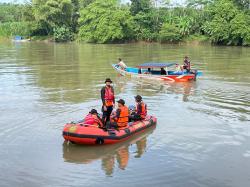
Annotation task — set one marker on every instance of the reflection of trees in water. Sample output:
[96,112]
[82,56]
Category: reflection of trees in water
[70,72]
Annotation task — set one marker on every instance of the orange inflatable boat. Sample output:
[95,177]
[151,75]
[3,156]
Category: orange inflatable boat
[81,133]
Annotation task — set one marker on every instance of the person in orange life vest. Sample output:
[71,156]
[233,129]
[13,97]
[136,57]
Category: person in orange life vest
[108,100]
[93,119]
[120,120]
[140,111]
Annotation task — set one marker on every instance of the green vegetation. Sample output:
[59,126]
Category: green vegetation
[104,22]
[223,22]
[16,28]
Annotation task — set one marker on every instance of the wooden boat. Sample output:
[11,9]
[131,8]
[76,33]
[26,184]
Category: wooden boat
[81,133]
[141,71]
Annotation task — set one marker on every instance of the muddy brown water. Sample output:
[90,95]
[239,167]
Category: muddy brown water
[202,137]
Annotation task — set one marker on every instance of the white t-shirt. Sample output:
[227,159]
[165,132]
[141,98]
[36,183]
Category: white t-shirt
[122,64]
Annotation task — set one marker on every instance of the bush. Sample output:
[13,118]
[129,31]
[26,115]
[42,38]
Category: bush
[16,28]
[63,34]
[169,33]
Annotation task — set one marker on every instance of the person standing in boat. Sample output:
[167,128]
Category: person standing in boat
[108,100]
[186,64]
[121,64]
[140,110]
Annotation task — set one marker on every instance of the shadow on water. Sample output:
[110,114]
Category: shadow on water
[108,154]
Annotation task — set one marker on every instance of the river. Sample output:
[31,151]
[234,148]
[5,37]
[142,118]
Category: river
[202,137]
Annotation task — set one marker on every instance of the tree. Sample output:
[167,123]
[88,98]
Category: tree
[147,25]
[52,13]
[62,34]
[85,3]
[198,3]
[140,6]
[169,33]
[11,12]
[75,14]
[227,24]
[243,3]
[104,22]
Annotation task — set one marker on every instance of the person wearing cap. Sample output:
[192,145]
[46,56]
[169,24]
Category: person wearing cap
[108,100]
[93,119]
[140,110]
[186,64]
[120,120]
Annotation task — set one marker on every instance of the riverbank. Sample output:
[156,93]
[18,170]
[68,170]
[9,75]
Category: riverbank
[193,39]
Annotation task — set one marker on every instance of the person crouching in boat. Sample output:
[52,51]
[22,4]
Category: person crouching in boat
[140,110]
[108,100]
[121,64]
[120,119]
[93,119]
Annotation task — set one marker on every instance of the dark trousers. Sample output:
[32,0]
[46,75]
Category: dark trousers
[106,114]
[110,125]
[134,117]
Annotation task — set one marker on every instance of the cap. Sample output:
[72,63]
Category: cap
[93,111]
[121,101]
[108,80]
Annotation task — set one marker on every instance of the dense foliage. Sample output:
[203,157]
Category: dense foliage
[224,22]
[104,21]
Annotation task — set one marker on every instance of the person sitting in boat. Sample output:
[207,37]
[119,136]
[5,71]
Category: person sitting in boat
[148,72]
[139,71]
[121,64]
[120,119]
[178,69]
[163,71]
[186,64]
[140,110]
[93,119]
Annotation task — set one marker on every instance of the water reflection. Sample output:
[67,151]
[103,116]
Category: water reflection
[150,88]
[109,154]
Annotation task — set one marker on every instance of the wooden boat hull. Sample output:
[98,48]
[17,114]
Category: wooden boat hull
[170,78]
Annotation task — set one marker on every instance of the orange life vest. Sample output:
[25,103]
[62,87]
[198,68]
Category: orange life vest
[122,121]
[143,113]
[109,96]
[92,120]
